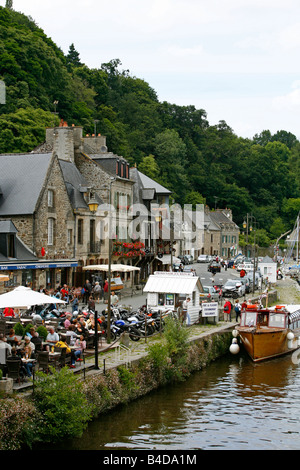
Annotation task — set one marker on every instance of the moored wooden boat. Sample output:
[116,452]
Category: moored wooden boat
[269,332]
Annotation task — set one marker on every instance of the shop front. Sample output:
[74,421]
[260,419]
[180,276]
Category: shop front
[38,274]
[168,290]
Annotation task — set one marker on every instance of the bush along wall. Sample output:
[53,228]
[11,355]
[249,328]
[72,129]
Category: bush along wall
[168,361]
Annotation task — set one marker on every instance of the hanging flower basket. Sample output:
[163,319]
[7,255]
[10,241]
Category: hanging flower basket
[128,249]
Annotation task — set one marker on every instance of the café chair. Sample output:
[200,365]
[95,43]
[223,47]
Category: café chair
[43,361]
[14,370]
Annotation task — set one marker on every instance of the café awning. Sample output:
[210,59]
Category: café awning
[166,259]
[114,268]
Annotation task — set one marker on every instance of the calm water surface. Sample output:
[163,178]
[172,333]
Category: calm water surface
[233,404]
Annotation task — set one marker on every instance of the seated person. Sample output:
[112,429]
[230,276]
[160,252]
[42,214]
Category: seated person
[9,312]
[71,332]
[28,354]
[36,340]
[80,345]
[52,337]
[15,357]
[62,344]
[26,342]
[12,339]
[81,327]
[67,321]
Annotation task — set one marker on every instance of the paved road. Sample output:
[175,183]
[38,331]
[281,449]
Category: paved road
[139,299]
[220,278]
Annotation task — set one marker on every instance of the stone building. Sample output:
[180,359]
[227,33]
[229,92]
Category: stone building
[228,232]
[209,232]
[34,199]
[152,223]
[49,195]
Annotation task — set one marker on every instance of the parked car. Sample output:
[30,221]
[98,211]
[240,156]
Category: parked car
[209,293]
[233,288]
[214,267]
[247,283]
[245,266]
[257,278]
[189,259]
[187,269]
[202,259]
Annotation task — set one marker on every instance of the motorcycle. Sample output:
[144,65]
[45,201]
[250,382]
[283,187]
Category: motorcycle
[121,326]
[145,325]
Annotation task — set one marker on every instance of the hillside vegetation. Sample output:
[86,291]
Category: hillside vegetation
[174,145]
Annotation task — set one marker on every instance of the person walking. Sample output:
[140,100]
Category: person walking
[227,310]
[237,309]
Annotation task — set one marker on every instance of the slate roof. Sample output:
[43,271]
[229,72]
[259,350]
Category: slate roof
[73,180]
[7,226]
[22,252]
[145,187]
[220,218]
[21,180]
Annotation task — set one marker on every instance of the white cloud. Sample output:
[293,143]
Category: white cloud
[289,101]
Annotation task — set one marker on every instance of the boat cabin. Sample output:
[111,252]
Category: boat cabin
[280,316]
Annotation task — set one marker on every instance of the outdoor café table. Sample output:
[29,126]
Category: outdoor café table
[26,320]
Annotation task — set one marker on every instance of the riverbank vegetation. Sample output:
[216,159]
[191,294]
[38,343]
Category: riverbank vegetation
[210,163]
[62,405]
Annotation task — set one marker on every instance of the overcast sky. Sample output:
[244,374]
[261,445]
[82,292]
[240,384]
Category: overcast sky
[236,59]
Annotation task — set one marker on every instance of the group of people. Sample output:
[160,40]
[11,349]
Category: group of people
[20,350]
[237,308]
[25,350]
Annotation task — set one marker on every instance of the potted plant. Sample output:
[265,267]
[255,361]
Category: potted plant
[42,331]
[6,383]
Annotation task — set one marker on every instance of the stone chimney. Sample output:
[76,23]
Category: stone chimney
[65,140]
[94,145]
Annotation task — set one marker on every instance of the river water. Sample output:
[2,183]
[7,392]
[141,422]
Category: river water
[233,404]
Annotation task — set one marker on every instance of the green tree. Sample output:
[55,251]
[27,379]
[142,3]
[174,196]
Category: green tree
[149,167]
[194,198]
[61,400]
[73,57]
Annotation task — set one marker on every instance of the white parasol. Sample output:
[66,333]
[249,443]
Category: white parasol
[114,267]
[24,297]
[4,278]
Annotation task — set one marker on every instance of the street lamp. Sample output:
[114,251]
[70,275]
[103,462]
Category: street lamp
[277,242]
[246,226]
[93,206]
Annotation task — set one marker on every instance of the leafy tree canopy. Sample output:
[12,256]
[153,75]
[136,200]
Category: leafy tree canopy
[172,144]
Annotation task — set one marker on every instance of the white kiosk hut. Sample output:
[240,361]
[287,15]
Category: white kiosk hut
[167,291]
[268,269]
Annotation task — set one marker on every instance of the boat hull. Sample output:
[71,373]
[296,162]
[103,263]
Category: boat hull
[263,344]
